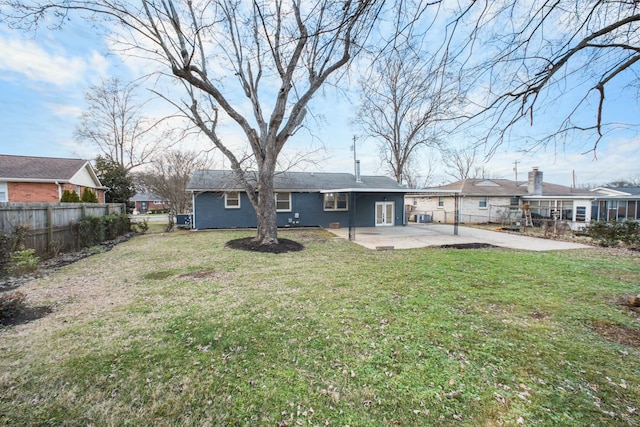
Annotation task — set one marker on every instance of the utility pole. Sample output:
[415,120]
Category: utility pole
[515,169]
[355,167]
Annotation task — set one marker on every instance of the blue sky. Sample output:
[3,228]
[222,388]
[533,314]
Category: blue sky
[43,78]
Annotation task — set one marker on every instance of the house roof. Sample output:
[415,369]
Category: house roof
[621,191]
[503,187]
[145,197]
[42,169]
[225,180]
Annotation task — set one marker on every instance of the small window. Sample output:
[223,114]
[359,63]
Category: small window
[415,201]
[232,200]
[283,202]
[482,203]
[336,202]
[581,213]
[3,192]
[440,201]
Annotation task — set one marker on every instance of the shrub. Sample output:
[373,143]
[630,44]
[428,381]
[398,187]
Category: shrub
[7,245]
[69,197]
[91,231]
[23,262]
[604,233]
[630,233]
[140,226]
[11,305]
[116,225]
[89,196]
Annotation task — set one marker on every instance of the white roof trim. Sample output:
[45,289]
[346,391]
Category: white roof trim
[366,190]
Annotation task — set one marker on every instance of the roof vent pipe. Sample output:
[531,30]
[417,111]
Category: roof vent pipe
[358,178]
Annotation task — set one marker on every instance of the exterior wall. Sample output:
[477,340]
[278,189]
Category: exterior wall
[83,178]
[150,206]
[33,192]
[306,211]
[469,208]
[43,192]
[472,213]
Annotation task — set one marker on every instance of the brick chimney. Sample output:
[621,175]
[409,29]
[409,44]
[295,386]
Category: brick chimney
[534,186]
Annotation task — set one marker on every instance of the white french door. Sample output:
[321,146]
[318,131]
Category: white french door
[384,214]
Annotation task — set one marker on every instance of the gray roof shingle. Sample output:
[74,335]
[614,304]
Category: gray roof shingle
[225,180]
[505,187]
[38,168]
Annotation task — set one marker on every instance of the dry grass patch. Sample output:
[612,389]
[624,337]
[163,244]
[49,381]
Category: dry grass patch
[176,329]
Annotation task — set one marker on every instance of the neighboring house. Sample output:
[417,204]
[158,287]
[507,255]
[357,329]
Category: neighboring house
[303,199]
[43,179]
[146,203]
[501,201]
[616,204]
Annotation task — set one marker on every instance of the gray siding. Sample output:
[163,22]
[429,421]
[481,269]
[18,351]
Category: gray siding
[209,211]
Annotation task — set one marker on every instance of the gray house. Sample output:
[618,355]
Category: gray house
[303,199]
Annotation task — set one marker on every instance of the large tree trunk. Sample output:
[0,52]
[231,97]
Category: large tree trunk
[266,209]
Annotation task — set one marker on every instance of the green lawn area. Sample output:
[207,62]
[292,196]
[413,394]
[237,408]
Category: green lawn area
[176,329]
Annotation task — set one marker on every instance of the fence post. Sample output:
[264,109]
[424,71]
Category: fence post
[49,228]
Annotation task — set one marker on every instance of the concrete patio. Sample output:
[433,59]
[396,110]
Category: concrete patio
[423,235]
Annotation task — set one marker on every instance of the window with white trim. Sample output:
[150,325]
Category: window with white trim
[283,202]
[4,197]
[482,202]
[232,200]
[440,201]
[336,202]
[581,213]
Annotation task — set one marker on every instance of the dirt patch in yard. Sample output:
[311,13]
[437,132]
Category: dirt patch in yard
[27,315]
[205,274]
[617,333]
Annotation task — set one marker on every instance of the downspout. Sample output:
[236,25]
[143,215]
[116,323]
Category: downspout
[193,210]
[59,190]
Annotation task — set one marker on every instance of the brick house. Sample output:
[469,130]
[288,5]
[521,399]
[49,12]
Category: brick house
[146,203]
[478,201]
[44,179]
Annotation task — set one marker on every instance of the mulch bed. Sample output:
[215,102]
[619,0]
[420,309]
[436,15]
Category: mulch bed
[250,244]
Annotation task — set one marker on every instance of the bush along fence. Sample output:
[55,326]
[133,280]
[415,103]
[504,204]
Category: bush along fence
[50,228]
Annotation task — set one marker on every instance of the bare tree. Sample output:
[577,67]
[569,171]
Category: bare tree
[169,175]
[561,56]
[400,103]
[419,173]
[272,55]
[114,122]
[462,163]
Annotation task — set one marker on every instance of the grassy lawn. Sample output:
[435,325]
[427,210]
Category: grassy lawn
[175,329]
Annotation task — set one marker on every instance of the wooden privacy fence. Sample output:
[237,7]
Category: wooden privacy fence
[51,225]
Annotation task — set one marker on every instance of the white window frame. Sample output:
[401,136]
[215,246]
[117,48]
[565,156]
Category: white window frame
[335,202]
[227,198]
[441,201]
[4,192]
[484,200]
[275,195]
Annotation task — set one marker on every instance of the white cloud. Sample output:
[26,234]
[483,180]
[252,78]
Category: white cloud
[33,61]
[65,110]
